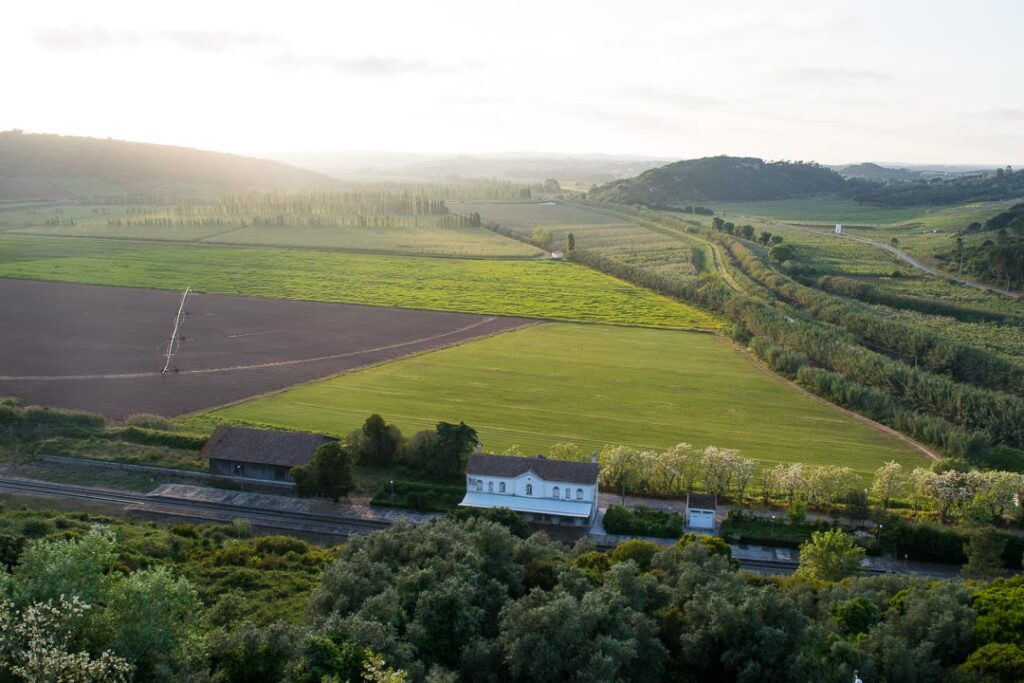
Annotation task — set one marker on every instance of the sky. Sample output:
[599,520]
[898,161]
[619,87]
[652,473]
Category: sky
[834,82]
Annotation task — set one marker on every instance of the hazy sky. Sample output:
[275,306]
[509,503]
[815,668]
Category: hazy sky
[842,81]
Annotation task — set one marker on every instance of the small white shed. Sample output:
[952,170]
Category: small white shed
[701,511]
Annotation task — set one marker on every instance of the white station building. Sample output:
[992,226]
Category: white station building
[542,491]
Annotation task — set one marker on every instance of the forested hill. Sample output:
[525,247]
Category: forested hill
[998,185]
[722,178]
[54,167]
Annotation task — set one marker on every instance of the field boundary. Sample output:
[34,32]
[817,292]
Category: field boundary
[877,426]
[349,371]
[13,232]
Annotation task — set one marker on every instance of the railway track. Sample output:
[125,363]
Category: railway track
[282,520]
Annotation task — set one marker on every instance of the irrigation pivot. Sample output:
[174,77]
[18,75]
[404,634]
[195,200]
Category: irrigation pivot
[172,344]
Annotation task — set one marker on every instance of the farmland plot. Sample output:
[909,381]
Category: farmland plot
[590,385]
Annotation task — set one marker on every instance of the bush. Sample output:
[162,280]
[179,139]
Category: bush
[641,552]
[149,421]
[156,437]
[642,521]
[419,496]
[503,516]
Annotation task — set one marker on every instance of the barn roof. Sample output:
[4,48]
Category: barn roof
[263,446]
[549,470]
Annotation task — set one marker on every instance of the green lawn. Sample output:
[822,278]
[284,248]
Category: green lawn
[555,290]
[588,384]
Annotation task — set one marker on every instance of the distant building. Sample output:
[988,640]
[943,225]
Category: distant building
[542,491]
[701,511]
[265,454]
[839,228]
[558,254]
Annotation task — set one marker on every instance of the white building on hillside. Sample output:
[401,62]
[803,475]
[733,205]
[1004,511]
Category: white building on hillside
[542,491]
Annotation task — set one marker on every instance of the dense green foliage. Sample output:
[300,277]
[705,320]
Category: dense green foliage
[471,598]
[418,496]
[328,474]
[1003,184]
[722,178]
[642,521]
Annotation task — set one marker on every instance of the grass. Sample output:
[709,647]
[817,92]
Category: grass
[427,237]
[590,385]
[607,234]
[530,288]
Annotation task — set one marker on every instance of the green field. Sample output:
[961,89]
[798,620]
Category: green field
[590,385]
[427,236]
[540,289]
[609,235]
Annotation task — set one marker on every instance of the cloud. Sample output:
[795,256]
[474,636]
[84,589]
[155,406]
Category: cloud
[82,38]
[367,65]
[1012,113]
[838,75]
[657,95]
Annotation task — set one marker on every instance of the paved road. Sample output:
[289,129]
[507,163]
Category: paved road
[910,260]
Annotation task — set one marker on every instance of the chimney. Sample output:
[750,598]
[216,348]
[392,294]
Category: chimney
[593,457]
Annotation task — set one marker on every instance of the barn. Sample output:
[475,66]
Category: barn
[265,454]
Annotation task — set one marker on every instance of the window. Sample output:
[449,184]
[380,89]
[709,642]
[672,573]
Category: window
[529,489]
[501,487]
[555,492]
[479,484]
[568,493]
[579,494]
[490,487]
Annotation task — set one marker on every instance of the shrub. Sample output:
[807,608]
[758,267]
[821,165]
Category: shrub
[149,421]
[507,518]
[155,437]
[641,552]
[418,496]
[642,521]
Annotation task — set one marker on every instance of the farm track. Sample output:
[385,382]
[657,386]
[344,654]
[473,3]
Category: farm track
[158,506]
[256,366]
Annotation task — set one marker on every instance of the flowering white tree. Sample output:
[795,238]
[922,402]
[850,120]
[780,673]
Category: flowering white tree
[789,479]
[35,645]
[648,471]
[717,464]
[743,473]
[889,481]
[920,481]
[618,468]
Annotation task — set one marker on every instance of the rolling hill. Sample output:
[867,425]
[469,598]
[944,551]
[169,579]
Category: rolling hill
[57,167]
[722,178]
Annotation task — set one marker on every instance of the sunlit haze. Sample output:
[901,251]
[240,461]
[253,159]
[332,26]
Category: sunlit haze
[923,82]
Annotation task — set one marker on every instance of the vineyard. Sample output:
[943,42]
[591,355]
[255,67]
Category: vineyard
[595,232]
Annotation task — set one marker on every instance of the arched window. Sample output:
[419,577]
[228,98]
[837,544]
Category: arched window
[501,487]
[529,489]
[579,494]
[568,493]
[555,492]
[490,487]
[479,484]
